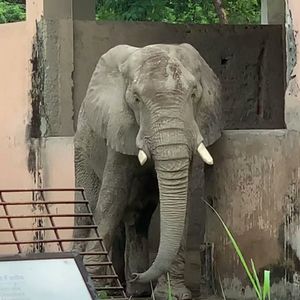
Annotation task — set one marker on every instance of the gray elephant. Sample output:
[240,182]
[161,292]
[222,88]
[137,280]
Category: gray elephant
[147,110]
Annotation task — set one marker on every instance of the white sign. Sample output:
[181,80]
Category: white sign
[42,279]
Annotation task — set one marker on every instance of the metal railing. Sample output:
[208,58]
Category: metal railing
[40,209]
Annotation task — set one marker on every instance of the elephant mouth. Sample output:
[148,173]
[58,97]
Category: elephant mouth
[201,149]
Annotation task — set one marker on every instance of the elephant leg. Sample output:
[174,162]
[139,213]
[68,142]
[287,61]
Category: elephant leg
[176,279]
[143,202]
[86,178]
[112,201]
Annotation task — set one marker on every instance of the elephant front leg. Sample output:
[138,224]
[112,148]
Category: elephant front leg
[112,201]
[86,178]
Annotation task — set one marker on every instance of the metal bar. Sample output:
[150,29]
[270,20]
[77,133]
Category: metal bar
[41,202]
[45,216]
[53,223]
[44,190]
[93,253]
[50,241]
[103,276]
[102,263]
[109,288]
[98,264]
[48,228]
[10,223]
[103,246]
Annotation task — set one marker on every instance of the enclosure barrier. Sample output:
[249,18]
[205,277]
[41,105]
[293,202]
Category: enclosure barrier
[41,210]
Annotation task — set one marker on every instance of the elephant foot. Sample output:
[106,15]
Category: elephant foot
[138,289]
[178,289]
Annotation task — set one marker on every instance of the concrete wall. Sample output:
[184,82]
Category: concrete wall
[255,186]
[26,161]
[272,11]
[242,56]
[14,86]
[292,110]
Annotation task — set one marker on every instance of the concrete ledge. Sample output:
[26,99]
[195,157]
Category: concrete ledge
[254,185]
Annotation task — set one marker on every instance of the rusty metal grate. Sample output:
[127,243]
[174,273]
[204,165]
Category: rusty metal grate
[30,222]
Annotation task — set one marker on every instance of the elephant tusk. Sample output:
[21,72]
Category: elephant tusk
[142,157]
[205,155]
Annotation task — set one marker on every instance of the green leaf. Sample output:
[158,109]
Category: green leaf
[267,285]
[255,276]
[169,287]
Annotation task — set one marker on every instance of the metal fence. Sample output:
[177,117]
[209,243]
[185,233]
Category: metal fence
[30,222]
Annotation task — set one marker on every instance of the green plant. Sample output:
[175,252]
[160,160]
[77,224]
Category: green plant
[178,11]
[169,287]
[102,295]
[11,12]
[262,292]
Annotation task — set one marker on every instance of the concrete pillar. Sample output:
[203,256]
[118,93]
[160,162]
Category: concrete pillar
[292,98]
[272,11]
[255,186]
[62,9]
[55,42]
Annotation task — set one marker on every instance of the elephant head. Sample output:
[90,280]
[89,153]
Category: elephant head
[160,102]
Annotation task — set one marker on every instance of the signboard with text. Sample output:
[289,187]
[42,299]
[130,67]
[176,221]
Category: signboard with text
[54,277]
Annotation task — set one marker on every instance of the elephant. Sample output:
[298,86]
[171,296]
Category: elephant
[147,110]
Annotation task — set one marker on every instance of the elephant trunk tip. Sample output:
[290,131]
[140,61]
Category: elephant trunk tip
[153,273]
[142,278]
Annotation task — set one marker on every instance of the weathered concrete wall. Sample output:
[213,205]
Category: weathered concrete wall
[27,159]
[56,59]
[255,186]
[272,11]
[242,56]
[292,110]
[58,158]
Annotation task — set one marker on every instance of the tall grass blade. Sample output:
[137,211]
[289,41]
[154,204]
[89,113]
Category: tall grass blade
[255,276]
[239,253]
[222,290]
[267,285]
[169,287]
[152,291]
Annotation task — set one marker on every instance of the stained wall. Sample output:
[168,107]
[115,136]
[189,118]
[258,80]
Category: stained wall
[255,186]
[26,161]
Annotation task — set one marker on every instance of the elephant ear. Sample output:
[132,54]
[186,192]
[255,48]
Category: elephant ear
[208,112]
[104,106]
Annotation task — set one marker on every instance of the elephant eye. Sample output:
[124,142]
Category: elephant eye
[194,94]
[136,99]
[194,97]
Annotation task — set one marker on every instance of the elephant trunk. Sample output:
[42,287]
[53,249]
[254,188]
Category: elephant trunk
[172,167]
